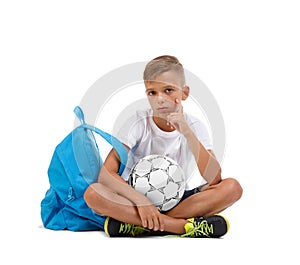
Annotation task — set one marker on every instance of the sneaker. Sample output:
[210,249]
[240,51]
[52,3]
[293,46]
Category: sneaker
[115,228]
[210,227]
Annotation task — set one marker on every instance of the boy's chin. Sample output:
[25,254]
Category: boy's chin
[161,115]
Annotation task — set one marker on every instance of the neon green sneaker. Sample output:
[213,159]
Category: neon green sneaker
[213,226]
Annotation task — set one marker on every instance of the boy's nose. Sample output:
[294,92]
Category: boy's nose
[160,97]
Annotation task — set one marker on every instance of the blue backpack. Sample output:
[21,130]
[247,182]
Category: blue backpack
[75,165]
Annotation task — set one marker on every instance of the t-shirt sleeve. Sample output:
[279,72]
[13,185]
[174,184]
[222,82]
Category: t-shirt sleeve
[130,132]
[202,134]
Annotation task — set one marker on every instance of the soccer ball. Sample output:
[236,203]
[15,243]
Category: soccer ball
[160,179]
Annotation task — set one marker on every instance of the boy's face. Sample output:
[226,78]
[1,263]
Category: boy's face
[163,91]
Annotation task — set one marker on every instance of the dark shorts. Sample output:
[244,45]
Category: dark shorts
[189,193]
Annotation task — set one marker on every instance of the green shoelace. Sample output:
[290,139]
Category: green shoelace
[132,230]
[197,229]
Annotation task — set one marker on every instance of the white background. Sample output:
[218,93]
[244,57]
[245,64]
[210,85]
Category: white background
[246,52]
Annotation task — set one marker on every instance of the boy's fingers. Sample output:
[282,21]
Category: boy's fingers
[144,223]
[156,224]
[179,105]
[168,122]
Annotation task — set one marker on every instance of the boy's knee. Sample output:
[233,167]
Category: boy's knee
[94,198]
[90,195]
[234,188]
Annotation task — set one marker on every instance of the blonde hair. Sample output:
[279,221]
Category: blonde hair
[163,64]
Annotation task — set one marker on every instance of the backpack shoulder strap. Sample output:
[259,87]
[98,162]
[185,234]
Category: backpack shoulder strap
[112,140]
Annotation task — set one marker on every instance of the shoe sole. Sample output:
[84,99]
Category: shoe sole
[106,226]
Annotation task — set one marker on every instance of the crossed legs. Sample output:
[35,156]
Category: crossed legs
[205,203]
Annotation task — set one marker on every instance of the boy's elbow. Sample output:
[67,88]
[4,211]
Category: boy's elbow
[217,178]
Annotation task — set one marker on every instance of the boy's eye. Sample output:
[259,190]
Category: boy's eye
[169,90]
[151,93]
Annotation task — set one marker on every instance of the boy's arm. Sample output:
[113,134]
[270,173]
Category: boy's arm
[207,164]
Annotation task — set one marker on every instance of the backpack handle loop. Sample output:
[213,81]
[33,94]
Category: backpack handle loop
[79,114]
[116,144]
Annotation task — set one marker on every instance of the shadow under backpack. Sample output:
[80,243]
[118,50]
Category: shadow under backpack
[75,164]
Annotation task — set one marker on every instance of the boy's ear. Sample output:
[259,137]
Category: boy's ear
[186,92]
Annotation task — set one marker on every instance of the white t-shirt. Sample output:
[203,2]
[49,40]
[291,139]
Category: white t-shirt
[144,138]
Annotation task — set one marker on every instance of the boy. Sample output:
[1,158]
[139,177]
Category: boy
[165,129]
